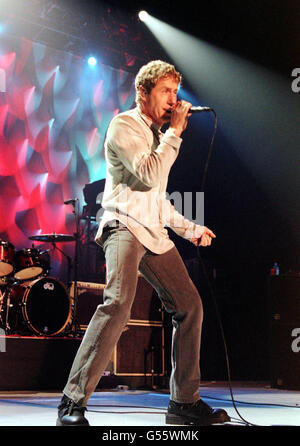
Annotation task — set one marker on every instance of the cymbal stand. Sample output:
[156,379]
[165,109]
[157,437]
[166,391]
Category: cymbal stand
[7,327]
[69,260]
[75,325]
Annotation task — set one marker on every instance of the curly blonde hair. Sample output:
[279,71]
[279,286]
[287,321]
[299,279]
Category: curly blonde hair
[150,73]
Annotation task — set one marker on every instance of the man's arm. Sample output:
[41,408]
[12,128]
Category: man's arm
[127,139]
[197,234]
[129,142]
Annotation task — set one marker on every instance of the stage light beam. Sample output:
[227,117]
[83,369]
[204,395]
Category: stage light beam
[258,111]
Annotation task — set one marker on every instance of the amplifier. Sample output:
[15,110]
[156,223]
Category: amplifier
[146,306]
[89,296]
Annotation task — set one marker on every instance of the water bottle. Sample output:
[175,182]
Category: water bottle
[275,269]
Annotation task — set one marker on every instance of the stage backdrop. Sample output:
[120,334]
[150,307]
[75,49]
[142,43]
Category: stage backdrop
[54,113]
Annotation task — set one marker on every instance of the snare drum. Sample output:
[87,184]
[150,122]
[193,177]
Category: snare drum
[7,252]
[42,306]
[28,264]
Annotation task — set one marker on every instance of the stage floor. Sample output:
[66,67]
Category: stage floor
[257,403]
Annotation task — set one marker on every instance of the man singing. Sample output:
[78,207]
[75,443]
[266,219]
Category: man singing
[134,238]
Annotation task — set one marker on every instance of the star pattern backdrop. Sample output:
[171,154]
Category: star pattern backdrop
[54,113]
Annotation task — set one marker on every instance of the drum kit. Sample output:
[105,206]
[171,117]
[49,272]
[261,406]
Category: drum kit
[30,300]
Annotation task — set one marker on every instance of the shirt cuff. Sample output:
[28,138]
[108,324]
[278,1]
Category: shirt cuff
[194,231]
[170,138]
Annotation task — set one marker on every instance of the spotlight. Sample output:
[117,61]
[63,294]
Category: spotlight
[92,61]
[143,16]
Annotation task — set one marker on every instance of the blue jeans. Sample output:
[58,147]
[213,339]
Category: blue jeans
[125,255]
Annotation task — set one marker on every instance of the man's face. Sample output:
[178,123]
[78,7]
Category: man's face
[161,100]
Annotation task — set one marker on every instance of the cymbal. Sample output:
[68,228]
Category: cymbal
[52,238]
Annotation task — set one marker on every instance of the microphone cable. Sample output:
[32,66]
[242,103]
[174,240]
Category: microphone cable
[211,146]
[211,290]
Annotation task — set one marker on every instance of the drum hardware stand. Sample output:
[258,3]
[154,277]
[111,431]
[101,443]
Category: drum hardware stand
[87,245]
[7,327]
[74,324]
[8,305]
[69,260]
[1,308]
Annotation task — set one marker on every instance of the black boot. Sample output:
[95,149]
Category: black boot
[199,414]
[70,414]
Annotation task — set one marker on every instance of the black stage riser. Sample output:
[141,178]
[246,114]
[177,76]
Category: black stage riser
[36,363]
[284,324]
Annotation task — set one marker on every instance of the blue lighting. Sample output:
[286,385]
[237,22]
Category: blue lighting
[92,61]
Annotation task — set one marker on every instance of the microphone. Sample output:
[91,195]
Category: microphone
[71,201]
[199,109]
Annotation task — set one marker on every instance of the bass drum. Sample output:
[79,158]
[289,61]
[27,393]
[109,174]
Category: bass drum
[43,306]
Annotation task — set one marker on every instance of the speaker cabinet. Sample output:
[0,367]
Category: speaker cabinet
[284,324]
[140,351]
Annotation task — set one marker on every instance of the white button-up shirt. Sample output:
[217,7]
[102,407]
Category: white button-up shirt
[139,158]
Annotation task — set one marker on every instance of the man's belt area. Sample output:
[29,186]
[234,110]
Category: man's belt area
[113,225]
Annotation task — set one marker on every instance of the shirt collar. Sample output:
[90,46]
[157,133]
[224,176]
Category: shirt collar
[149,121]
